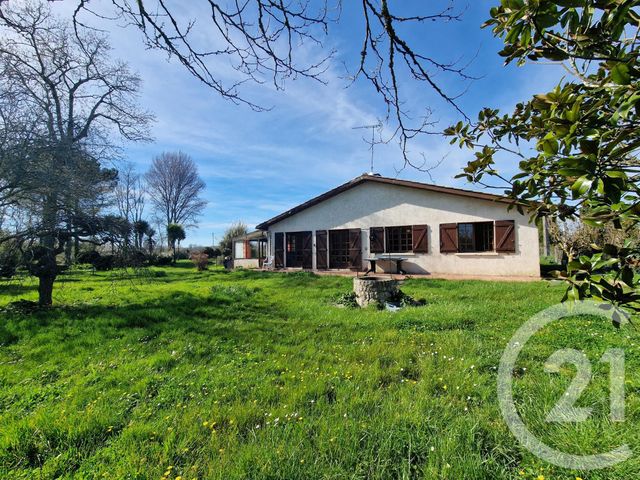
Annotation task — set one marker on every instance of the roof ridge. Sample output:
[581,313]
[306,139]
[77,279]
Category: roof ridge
[387,180]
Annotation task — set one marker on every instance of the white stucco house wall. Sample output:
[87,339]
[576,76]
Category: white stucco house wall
[432,229]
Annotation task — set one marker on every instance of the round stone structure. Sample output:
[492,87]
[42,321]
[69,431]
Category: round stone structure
[373,289]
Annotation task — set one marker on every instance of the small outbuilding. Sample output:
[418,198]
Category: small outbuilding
[250,250]
[386,224]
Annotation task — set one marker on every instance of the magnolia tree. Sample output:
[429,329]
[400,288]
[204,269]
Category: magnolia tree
[576,146]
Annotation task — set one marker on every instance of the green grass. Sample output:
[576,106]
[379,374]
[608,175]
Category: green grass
[171,372]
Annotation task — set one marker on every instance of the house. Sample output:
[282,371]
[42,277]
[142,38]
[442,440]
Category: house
[429,228]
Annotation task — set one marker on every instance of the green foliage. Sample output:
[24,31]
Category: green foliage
[212,252]
[175,233]
[346,299]
[9,259]
[577,144]
[402,299]
[128,375]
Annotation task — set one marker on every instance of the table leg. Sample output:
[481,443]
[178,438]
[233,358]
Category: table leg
[372,267]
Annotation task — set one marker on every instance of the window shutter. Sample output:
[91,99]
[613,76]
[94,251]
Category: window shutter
[420,239]
[355,249]
[376,239]
[307,252]
[448,237]
[279,249]
[505,236]
[321,249]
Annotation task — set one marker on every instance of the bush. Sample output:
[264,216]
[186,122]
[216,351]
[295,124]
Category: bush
[346,300]
[212,252]
[89,257]
[9,261]
[99,262]
[8,267]
[104,262]
[401,299]
[182,255]
[135,258]
[163,261]
[200,261]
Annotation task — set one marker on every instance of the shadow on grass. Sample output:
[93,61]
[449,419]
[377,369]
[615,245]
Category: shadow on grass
[234,315]
[14,289]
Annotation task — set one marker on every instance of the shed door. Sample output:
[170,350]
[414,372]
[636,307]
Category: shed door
[321,250]
[279,249]
[355,249]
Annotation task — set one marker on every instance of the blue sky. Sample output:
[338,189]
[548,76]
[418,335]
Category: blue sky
[256,164]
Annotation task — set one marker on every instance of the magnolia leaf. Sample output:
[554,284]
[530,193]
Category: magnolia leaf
[620,74]
[581,186]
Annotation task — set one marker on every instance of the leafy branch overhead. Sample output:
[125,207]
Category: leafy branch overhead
[577,145]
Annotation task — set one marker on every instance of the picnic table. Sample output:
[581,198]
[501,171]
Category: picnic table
[391,258]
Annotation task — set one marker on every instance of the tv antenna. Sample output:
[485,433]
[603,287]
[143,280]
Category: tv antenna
[373,139]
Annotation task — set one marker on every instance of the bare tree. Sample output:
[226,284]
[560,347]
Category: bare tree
[174,188]
[73,98]
[261,39]
[130,196]
[574,237]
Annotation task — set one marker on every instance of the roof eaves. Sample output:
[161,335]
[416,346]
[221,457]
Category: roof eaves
[390,181]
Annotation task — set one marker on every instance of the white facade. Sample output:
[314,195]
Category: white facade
[378,204]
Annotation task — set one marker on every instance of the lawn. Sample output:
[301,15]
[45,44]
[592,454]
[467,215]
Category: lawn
[170,373]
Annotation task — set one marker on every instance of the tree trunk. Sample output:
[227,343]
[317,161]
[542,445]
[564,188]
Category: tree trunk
[68,253]
[45,290]
[47,268]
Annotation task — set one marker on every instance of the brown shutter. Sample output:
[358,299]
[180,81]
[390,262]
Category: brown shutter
[376,239]
[448,237]
[279,249]
[321,249]
[307,250]
[505,236]
[355,249]
[420,239]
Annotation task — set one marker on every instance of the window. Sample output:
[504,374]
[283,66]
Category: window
[239,251]
[399,239]
[475,237]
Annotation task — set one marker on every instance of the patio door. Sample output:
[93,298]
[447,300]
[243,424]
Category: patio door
[345,249]
[299,250]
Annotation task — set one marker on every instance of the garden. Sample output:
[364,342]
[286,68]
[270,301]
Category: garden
[171,373]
